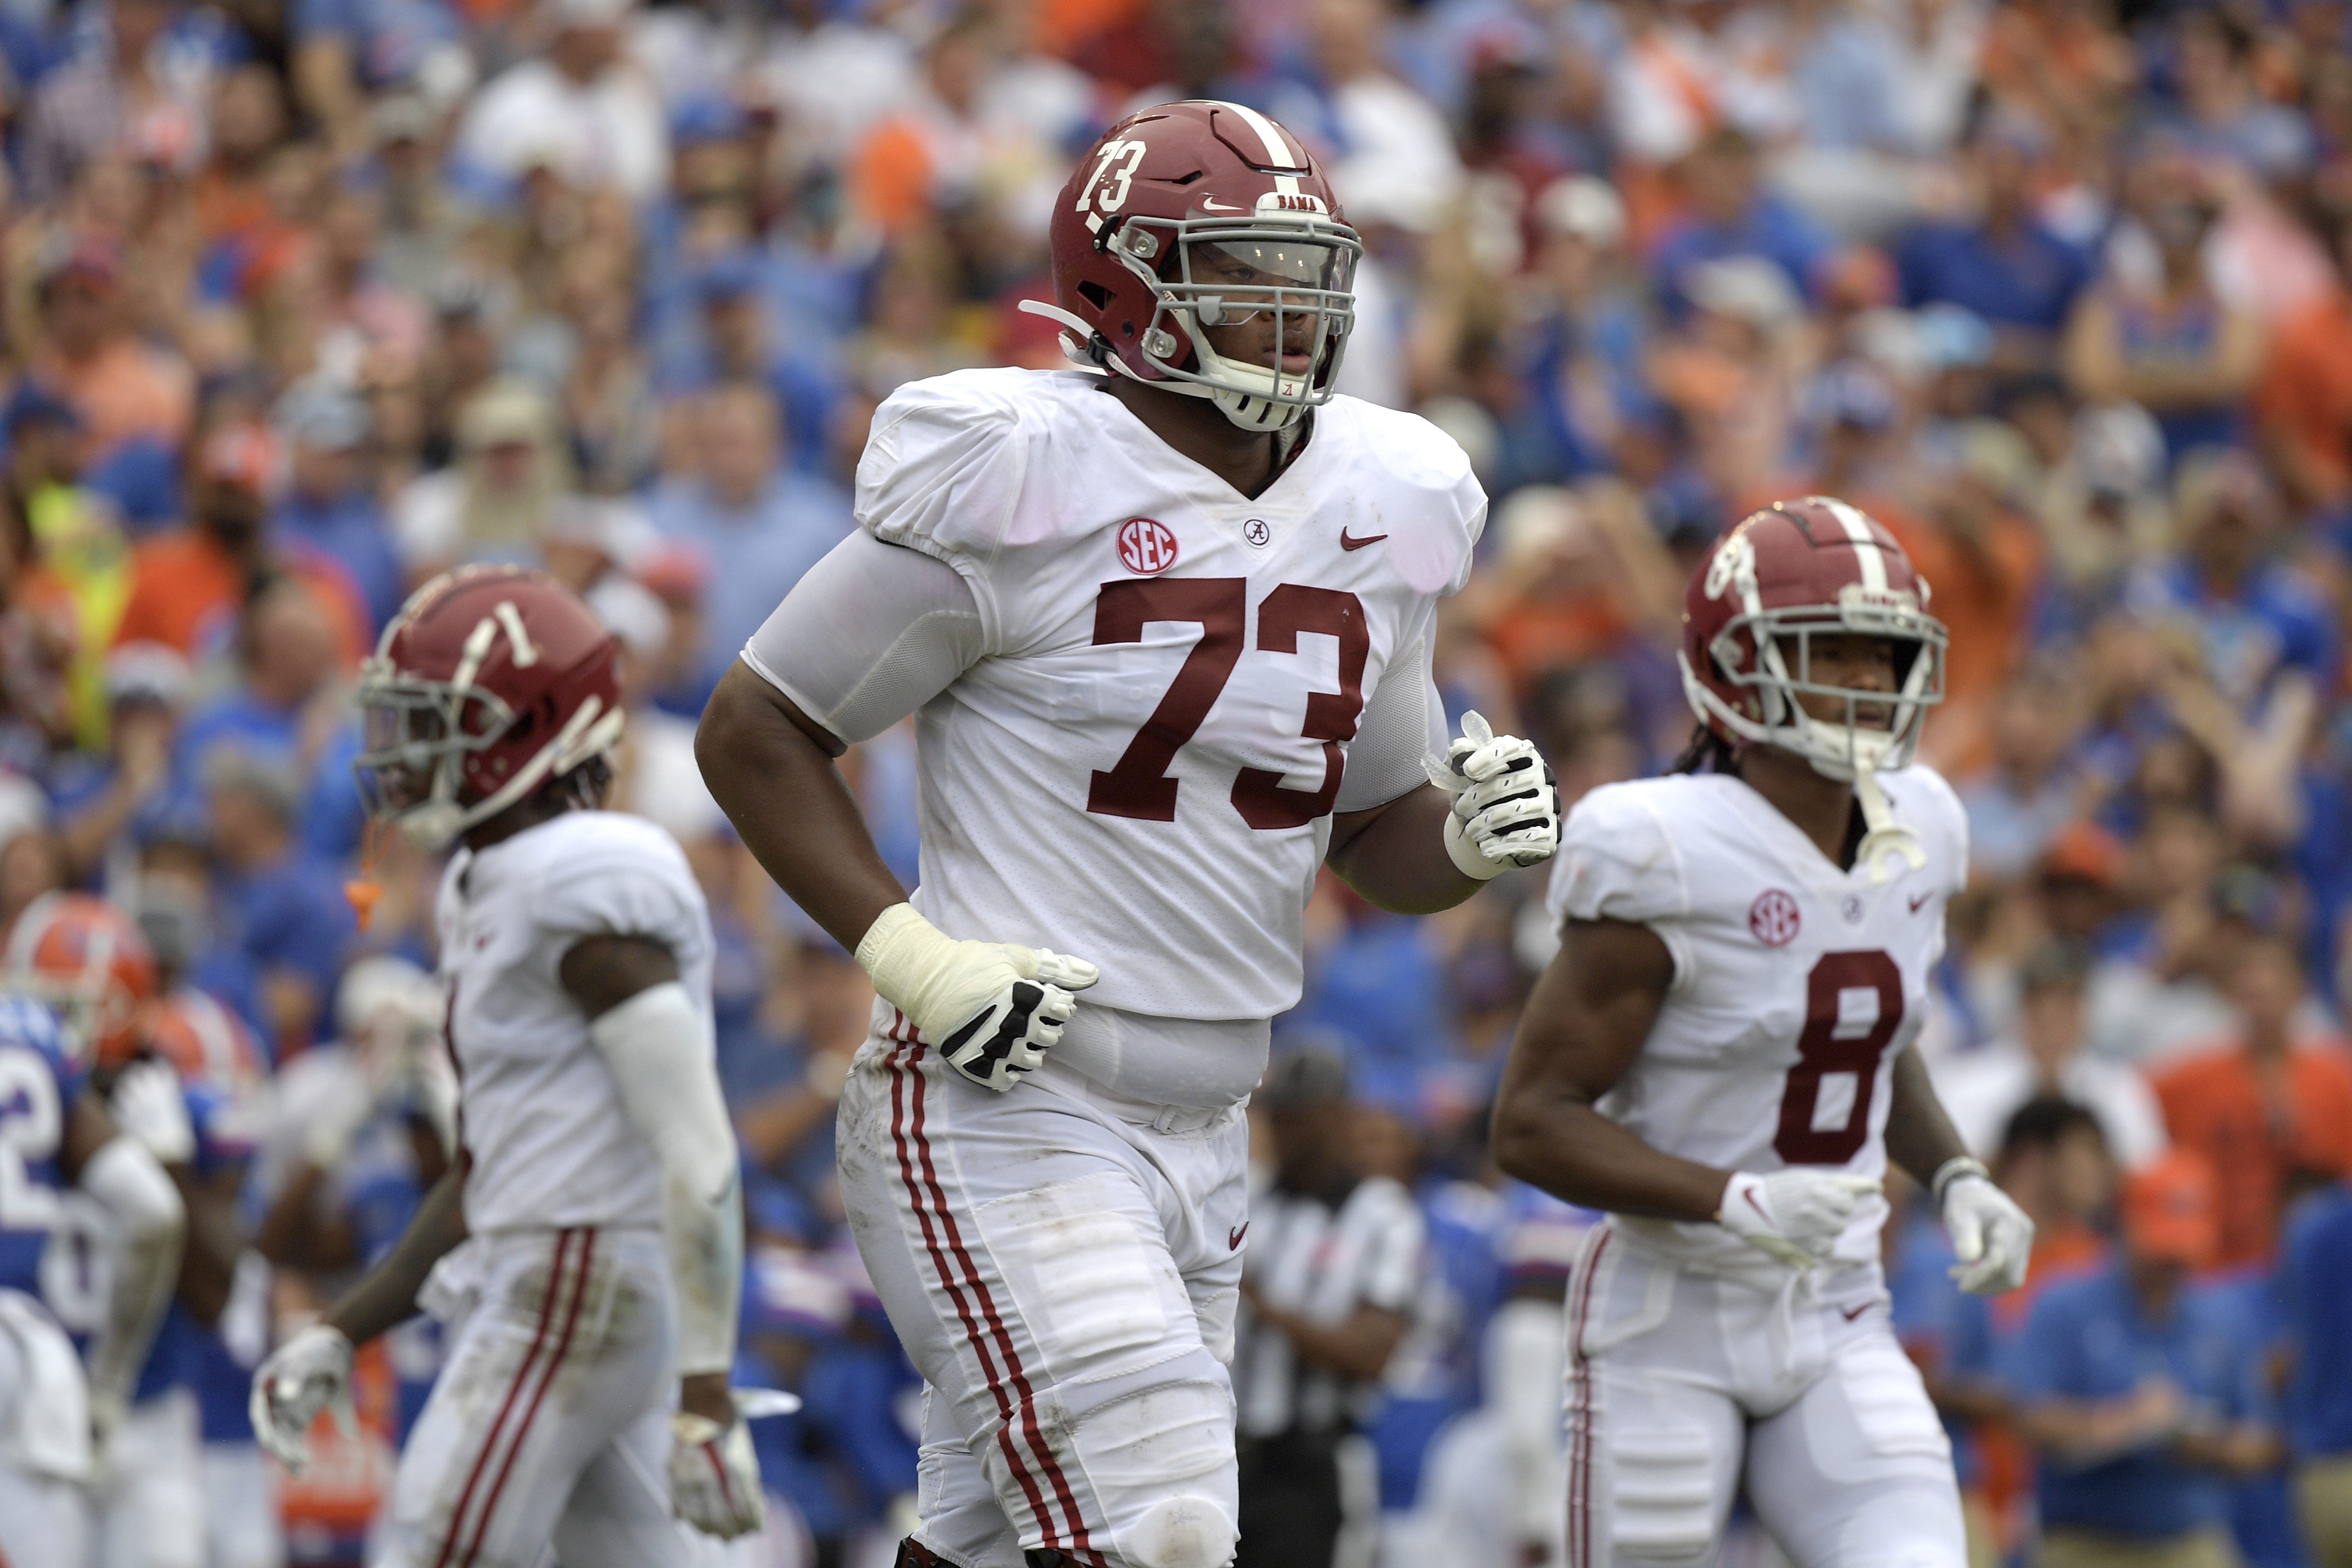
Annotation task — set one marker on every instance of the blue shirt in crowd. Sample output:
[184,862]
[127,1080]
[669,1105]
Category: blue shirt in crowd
[1772,228]
[2276,619]
[2316,1290]
[754,554]
[2028,280]
[353,529]
[2089,1340]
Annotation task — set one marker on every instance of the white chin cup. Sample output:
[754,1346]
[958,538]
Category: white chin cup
[431,826]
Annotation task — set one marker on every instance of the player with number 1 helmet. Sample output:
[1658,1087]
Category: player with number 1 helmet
[1720,1056]
[1165,622]
[593,1214]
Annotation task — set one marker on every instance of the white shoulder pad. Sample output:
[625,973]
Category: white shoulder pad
[1616,860]
[943,469]
[614,875]
[1431,502]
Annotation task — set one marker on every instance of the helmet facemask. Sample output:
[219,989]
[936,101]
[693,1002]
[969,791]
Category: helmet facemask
[1291,277]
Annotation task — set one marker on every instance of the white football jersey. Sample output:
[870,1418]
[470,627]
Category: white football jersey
[537,1112]
[1796,984]
[1142,767]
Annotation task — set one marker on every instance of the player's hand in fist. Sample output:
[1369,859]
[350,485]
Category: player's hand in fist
[991,1009]
[714,1476]
[1990,1235]
[308,1373]
[1794,1215]
[1506,801]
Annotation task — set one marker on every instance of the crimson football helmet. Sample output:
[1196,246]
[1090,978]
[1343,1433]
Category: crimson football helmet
[1197,215]
[89,962]
[490,681]
[1781,576]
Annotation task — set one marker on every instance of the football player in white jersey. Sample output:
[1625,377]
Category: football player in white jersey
[1166,624]
[586,1250]
[1719,1057]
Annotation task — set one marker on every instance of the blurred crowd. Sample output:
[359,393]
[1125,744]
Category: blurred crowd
[301,303]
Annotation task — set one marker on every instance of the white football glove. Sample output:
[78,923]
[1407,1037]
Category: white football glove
[1506,801]
[308,1373]
[1992,1237]
[714,1476]
[146,1104]
[991,1009]
[1795,1215]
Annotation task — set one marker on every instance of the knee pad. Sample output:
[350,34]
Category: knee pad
[1153,1427]
[1180,1533]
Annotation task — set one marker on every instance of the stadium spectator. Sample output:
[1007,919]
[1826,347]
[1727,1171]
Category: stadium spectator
[759,525]
[2315,1284]
[1982,1089]
[2273,1111]
[2000,263]
[2138,1393]
[189,586]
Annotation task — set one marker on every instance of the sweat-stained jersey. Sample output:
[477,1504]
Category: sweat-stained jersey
[1796,984]
[1178,686]
[551,1145]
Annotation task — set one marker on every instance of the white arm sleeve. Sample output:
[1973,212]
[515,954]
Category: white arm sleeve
[872,633]
[139,1196]
[659,1051]
[1403,721]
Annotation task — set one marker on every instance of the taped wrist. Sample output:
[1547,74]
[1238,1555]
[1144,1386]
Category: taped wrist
[912,961]
[657,1046]
[1951,1171]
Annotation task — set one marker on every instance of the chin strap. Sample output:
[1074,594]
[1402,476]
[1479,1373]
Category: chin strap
[1886,835]
[1076,349]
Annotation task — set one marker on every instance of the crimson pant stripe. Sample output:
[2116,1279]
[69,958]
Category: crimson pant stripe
[899,1031]
[1580,1436]
[514,1391]
[1028,1399]
[587,1260]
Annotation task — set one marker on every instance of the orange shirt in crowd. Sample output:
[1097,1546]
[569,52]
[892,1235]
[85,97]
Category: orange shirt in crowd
[185,591]
[126,389]
[2304,398]
[1982,591]
[2256,1126]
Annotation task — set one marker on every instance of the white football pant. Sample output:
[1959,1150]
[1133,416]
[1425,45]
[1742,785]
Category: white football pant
[550,1422]
[1679,1383]
[243,1524]
[1064,1268]
[147,1509]
[43,1517]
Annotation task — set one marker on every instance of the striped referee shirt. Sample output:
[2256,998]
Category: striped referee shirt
[1323,1266]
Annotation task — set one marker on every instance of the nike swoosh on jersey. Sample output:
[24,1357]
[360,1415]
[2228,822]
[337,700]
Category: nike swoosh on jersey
[1233,1237]
[1919,899]
[1857,1313]
[1348,543]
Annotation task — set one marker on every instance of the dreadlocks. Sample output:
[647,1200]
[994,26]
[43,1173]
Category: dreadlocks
[1707,752]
